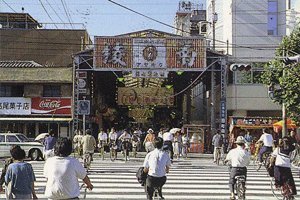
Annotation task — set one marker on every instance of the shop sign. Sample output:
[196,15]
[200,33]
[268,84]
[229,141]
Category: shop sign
[145,96]
[149,53]
[15,106]
[254,121]
[51,106]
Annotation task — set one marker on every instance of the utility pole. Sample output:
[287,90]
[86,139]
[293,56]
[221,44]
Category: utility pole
[284,118]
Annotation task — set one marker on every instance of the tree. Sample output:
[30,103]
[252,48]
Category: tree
[290,82]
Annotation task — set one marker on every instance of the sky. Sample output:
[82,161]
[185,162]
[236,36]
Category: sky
[100,17]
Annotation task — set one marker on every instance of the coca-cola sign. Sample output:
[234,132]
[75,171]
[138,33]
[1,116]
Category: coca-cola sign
[51,106]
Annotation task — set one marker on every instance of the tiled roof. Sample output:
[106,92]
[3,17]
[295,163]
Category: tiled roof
[19,64]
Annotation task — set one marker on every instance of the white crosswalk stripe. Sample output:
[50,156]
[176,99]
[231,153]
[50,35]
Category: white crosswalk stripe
[192,178]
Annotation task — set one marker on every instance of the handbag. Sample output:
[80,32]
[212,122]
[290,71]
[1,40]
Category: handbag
[8,191]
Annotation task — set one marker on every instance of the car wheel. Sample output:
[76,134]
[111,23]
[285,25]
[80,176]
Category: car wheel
[35,154]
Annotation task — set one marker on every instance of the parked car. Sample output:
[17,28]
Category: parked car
[33,150]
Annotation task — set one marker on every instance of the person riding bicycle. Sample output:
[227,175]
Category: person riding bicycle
[113,137]
[125,138]
[156,164]
[218,143]
[148,142]
[267,139]
[239,159]
[88,143]
[102,142]
[282,166]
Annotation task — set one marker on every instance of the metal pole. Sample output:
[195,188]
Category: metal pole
[284,126]
[213,102]
[83,124]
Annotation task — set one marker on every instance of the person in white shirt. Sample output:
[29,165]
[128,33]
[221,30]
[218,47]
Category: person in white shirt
[126,145]
[168,139]
[239,159]
[282,169]
[102,142]
[267,139]
[62,173]
[157,164]
[113,136]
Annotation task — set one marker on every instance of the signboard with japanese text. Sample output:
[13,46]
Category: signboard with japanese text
[51,106]
[15,106]
[145,96]
[149,53]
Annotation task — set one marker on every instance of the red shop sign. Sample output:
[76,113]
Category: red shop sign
[51,106]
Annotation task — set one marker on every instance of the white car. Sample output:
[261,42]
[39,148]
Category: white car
[33,150]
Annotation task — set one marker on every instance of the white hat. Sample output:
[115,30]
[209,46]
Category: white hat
[150,130]
[240,140]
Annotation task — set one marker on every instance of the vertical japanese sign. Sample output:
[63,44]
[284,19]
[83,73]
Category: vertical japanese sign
[15,106]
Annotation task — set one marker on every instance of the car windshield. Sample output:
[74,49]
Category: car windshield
[23,138]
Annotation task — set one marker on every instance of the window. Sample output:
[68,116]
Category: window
[272,17]
[11,90]
[11,138]
[2,138]
[52,91]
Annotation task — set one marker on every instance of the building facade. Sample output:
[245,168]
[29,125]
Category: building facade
[36,75]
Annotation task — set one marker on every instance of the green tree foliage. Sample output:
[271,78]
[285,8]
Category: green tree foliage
[290,82]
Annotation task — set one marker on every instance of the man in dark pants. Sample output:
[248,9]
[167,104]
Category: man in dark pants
[168,139]
[239,159]
[157,164]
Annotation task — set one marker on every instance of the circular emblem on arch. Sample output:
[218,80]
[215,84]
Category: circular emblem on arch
[150,53]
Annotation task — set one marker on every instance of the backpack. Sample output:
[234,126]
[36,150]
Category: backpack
[141,176]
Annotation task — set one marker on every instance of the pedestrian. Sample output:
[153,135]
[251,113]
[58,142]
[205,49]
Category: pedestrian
[156,164]
[168,140]
[7,162]
[177,144]
[185,145]
[217,141]
[77,140]
[88,143]
[148,142]
[125,138]
[19,177]
[239,159]
[50,143]
[62,173]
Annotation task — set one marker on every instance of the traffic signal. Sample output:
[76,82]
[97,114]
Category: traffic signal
[291,60]
[271,92]
[240,67]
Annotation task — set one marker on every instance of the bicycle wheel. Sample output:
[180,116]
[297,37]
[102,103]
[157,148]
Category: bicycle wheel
[276,190]
[240,189]
[256,164]
[266,159]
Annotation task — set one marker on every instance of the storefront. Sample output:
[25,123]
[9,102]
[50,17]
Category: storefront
[32,116]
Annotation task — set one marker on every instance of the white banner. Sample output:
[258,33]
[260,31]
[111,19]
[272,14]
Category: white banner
[15,106]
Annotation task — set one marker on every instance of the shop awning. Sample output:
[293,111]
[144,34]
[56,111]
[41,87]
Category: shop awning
[36,119]
[254,126]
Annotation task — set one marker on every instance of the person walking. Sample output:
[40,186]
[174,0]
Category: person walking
[168,139]
[217,141]
[156,164]
[77,140]
[88,143]
[20,177]
[185,145]
[50,143]
[177,144]
[239,159]
[148,142]
[62,173]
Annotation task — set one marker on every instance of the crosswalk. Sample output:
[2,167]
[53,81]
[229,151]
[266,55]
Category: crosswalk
[193,178]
